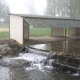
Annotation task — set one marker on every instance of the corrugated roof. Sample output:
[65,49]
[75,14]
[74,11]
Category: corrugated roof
[49,22]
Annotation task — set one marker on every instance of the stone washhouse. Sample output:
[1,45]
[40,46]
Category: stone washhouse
[19,26]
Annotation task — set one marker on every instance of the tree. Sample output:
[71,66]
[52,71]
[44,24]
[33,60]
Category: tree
[63,8]
[4,10]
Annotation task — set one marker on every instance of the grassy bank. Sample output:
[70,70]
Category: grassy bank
[4,34]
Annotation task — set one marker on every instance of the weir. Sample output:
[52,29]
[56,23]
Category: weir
[38,59]
[65,62]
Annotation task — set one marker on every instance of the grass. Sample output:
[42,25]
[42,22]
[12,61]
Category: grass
[67,29]
[40,32]
[33,32]
[43,31]
[4,34]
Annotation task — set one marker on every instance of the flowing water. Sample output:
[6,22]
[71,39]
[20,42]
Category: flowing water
[39,69]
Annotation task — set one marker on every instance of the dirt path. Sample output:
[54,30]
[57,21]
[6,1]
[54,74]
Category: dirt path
[4,29]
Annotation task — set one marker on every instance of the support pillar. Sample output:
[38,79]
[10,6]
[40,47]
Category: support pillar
[55,32]
[73,31]
[25,30]
[78,31]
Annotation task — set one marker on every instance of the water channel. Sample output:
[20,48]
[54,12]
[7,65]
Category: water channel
[37,69]
[69,46]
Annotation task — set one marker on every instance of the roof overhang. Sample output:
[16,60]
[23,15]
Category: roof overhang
[49,22]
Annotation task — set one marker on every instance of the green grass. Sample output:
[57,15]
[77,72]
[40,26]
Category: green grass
[33,32]
[67,29]
[40,32]
[4,34]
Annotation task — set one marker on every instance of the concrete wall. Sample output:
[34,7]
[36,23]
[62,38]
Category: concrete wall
[16,28]
[73,31]
[26,30]
[56,32]
[78,31]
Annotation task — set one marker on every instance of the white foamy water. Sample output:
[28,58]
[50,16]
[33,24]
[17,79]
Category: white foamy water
[31,57]
[4,73]
[76,74]
[36,60]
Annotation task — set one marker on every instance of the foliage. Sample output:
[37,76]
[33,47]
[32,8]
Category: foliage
[4,10]
[63,8]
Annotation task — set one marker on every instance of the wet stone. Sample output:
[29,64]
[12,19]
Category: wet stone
[14,63]
[6,50]
[0,56]
[20,64]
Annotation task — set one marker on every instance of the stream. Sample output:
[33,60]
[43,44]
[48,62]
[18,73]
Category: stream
[37,69]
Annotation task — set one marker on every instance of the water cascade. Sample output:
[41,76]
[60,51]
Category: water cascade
[38,59]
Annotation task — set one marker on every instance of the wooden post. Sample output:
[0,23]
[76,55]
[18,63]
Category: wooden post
[65,40]
[65,33]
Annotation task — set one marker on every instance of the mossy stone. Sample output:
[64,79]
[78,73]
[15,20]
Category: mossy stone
[0,56]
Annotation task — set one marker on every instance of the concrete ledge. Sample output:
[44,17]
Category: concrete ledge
[47,39]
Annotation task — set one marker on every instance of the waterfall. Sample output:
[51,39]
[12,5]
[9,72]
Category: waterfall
[38,59]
